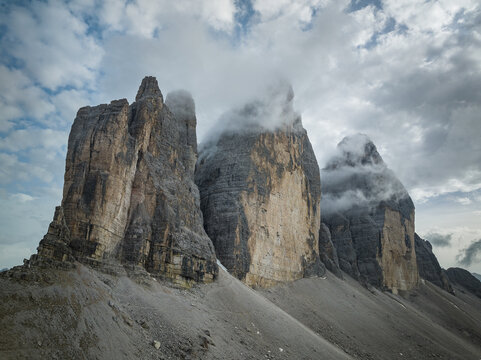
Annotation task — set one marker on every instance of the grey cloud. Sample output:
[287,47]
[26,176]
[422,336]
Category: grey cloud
[471,255]
[357,177]
[439,240]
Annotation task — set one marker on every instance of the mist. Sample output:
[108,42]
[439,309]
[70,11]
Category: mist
[357,177]
[269,109]
[438,239]
[471,255]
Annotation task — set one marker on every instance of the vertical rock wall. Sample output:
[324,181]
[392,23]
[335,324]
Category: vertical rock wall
[428,265]
[260,193]
[129,194]
[370,217]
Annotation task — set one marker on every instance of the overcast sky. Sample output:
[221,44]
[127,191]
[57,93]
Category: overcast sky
[405,72]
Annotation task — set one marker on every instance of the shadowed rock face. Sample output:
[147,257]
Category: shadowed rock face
[260,193]
[428,265]
[129,193]
[370,217]
[328,252]
[465,279]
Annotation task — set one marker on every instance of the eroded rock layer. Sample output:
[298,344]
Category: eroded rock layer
[260,193]
[370,217]
[129,194]
[428,265]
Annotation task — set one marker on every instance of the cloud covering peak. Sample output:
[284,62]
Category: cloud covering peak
[357,177]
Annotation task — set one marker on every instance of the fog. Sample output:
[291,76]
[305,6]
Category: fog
[356,176]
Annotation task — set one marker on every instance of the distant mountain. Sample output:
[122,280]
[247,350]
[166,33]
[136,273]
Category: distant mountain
[477,276]
[370,216]
[464,278]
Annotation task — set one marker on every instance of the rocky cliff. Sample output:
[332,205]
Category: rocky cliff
[465,279]
[260,191]
[328,252]
[428,265]
[129,195]
[370,216]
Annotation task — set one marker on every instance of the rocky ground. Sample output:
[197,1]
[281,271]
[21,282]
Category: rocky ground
[82,313]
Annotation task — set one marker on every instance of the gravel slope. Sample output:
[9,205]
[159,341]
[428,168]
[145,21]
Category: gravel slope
[86,314]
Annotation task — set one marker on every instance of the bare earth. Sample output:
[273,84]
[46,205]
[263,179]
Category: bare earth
[86,314]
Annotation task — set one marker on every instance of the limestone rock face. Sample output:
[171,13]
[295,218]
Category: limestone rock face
[129,194]
[428,265]
[260,193]
[328,252]
[465,279]
[54,243]
[370,217]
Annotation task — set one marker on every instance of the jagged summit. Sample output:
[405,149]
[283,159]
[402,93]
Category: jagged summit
[260,192]
[356,150]
[272,110]
[357,177]
[148,88]
[129,195]
[370,216]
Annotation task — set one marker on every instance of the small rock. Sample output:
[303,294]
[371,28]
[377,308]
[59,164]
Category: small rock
[39,343]
[156,344]
[281,349]
[144,325]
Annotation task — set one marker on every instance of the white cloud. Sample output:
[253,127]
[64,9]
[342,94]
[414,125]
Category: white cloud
[414,90]
[19,97]
[22,198]
[52,140]
[24,220]
[144,18]
[52,44]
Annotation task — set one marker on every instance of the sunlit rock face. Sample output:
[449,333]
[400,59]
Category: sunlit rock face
[428,265]
[129,195]
[370,217]
[260,192]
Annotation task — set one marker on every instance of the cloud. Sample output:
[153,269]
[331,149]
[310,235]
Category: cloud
[20,98]
[34,137]
[404,73]
[24,220]
[357,177]
[438,239]
[471,255]
[145,18]
[51,43]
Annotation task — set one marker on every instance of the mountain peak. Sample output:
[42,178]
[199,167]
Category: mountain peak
[358,150]
[148,88]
